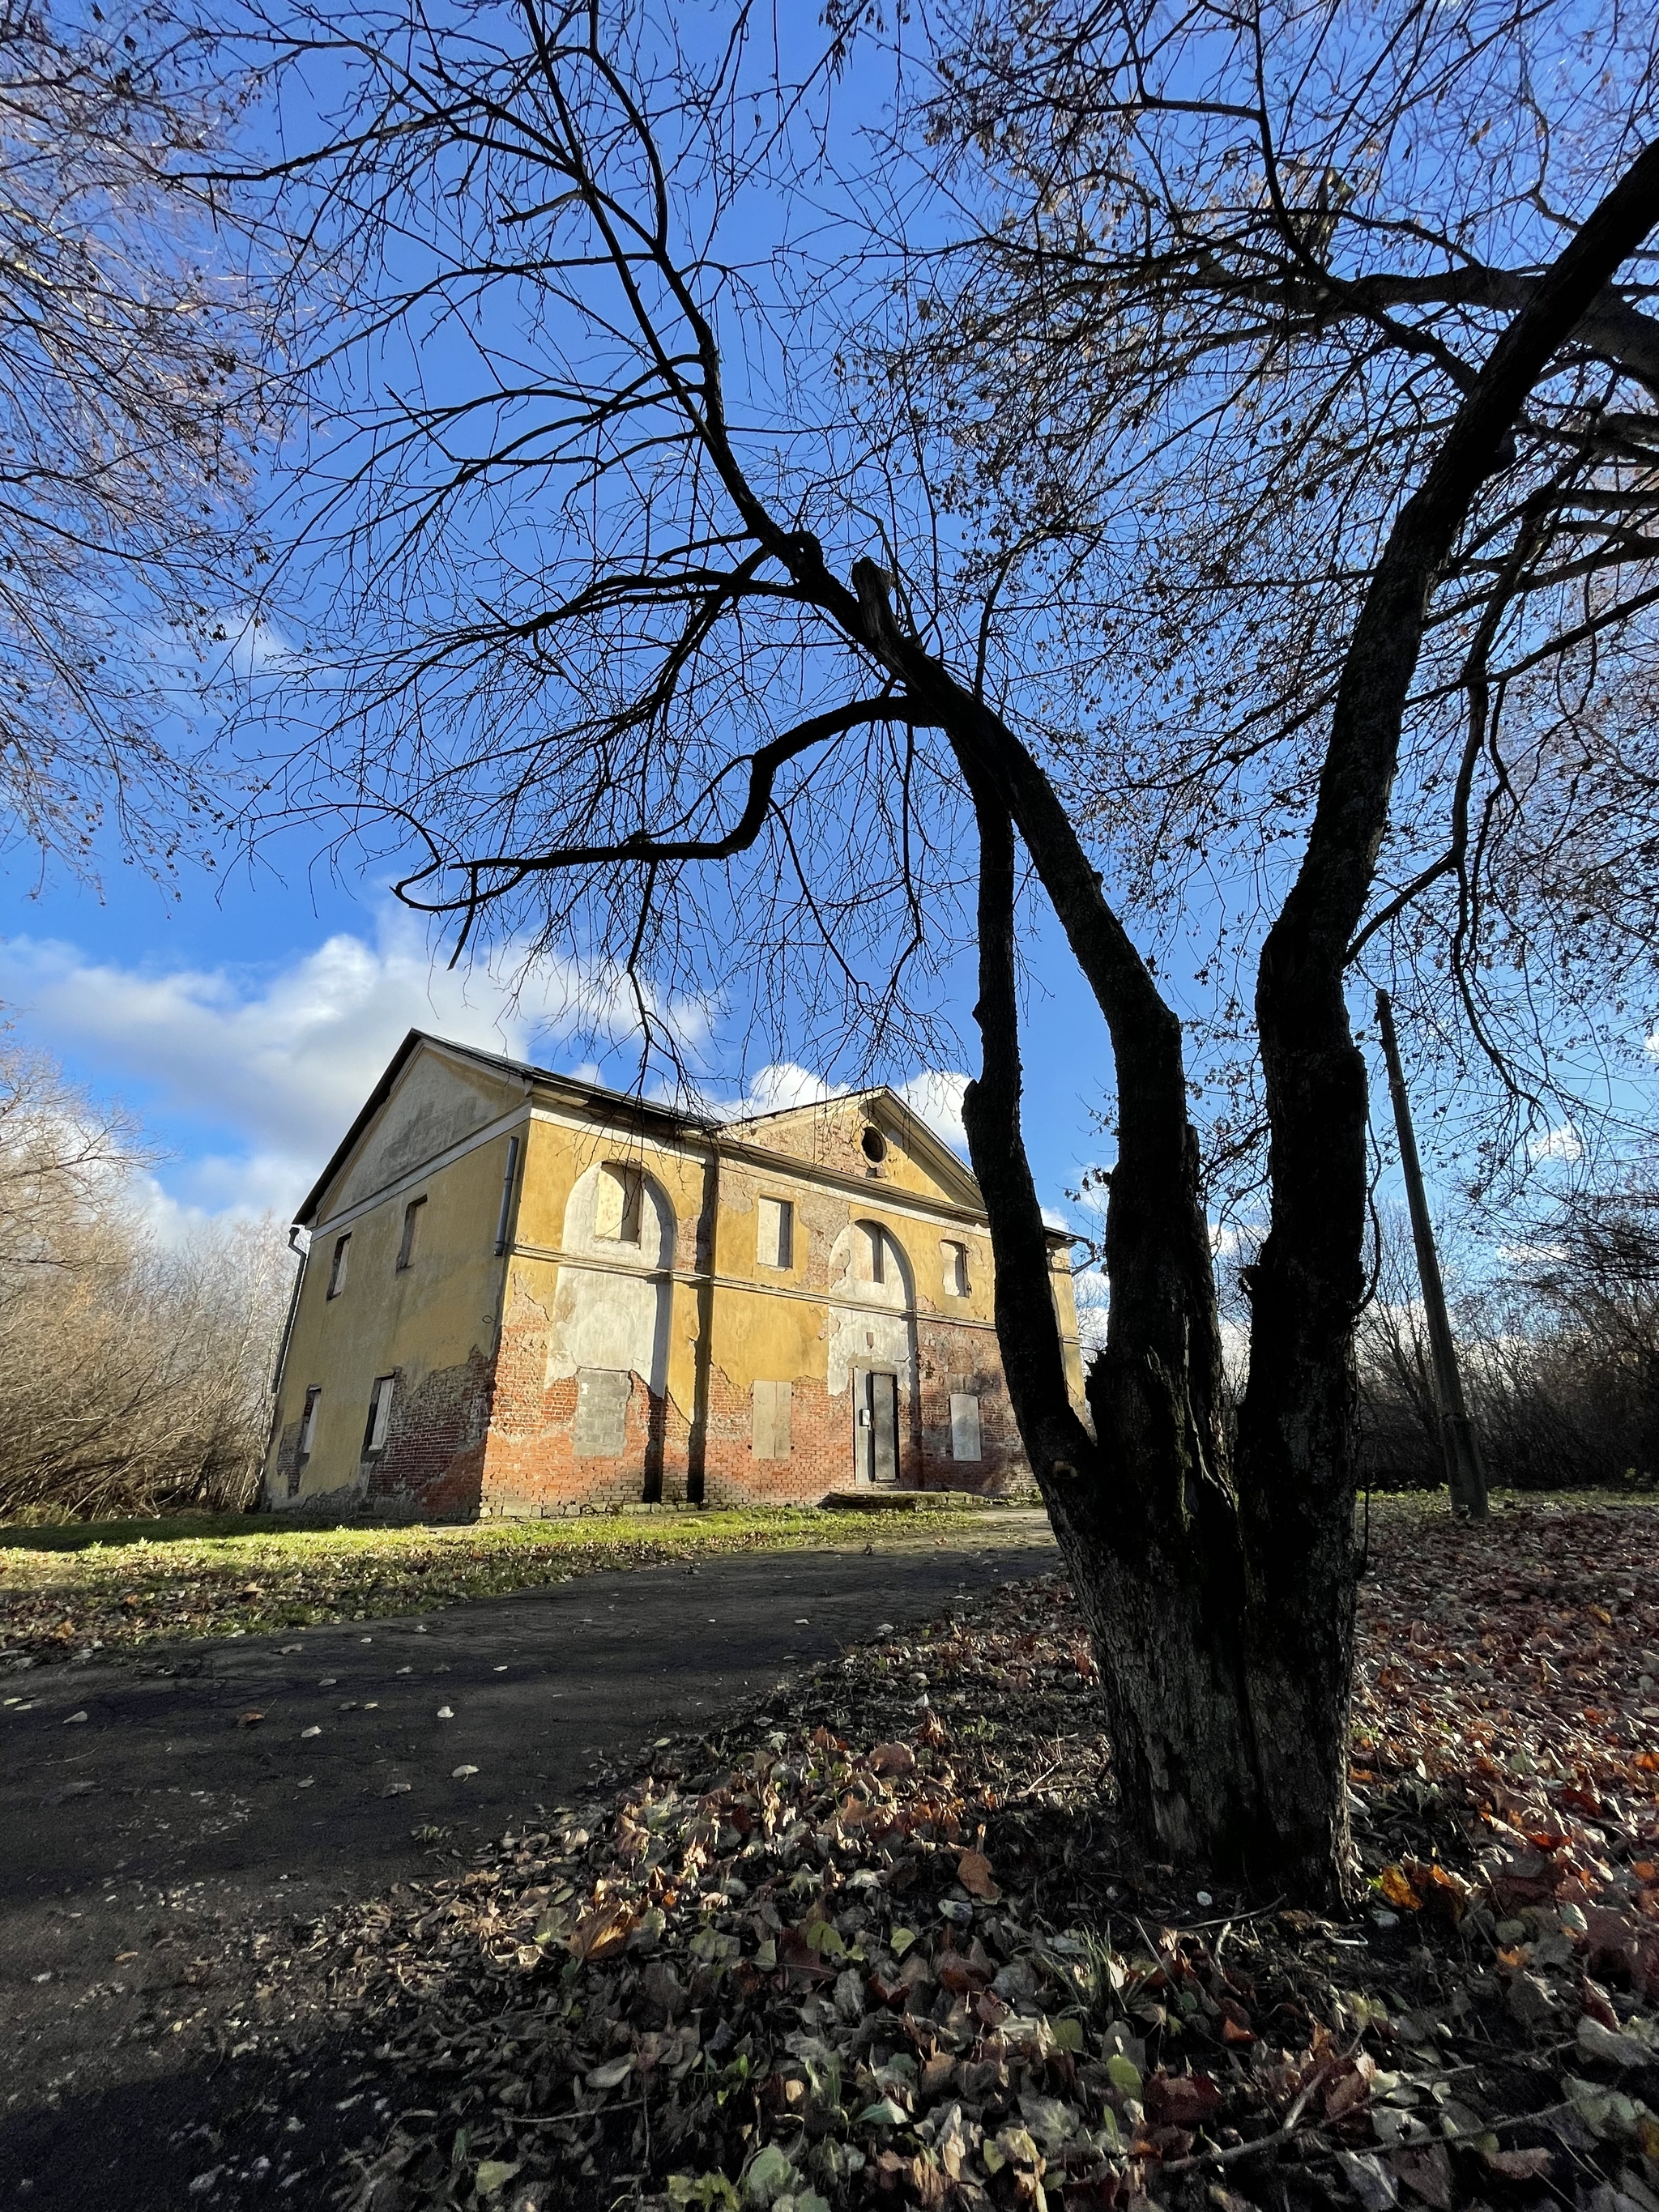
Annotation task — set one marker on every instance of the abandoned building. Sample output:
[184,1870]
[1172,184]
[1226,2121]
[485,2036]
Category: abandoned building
[526,1294]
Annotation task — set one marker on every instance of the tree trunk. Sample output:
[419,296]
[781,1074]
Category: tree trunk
[1143,1511]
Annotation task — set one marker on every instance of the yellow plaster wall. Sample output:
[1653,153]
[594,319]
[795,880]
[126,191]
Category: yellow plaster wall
[556,1156]
[444,1311]
[437,1101]
[430,1315]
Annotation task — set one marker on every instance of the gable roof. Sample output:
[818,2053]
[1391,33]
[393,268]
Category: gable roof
[613,1104]
[880,1102]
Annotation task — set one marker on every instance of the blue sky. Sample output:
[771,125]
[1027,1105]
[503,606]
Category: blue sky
[247,1019]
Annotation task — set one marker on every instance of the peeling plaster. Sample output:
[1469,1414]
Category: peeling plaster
[872,1324]
[605,1319]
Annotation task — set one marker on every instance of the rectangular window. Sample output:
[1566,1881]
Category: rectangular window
[411,1230]
[308,1420]
[769,1438]
[617,1204]
[336,1265]
[503,1220]
[955,1260]
[775,1233]
[964,1425]
[379,1415]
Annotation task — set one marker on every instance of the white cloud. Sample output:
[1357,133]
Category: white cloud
[1094,1300]
[285,1059]
[777,1087]
[1562,1143]
[935,1096]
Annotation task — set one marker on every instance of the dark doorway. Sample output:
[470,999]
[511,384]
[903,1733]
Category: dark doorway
[875,1435]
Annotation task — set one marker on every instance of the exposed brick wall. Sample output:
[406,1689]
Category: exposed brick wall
[282,1465]
[943,1350]
[434,1458]
[495,1437]
[531,1468]
[530,1464]
[820,1448]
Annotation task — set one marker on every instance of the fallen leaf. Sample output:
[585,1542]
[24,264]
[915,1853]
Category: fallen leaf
[892,1758]
[974,1873]
[613,2072]
[1425,2169]
[1369,2179]
[1181,2100]
[1517,2165]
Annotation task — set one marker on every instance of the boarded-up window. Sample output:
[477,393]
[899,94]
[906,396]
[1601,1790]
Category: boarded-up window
[772,1409]
[964,1425]
[337,1272]
[412,1213]
[308,1419]
[602,1395]
[617,1204]
[776,1232]
[955,1260]
[380,1413]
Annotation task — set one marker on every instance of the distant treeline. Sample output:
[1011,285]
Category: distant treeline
[1560,1361]
[134,1373]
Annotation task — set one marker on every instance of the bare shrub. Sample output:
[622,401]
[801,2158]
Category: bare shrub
[1560,1359]
[134,1378]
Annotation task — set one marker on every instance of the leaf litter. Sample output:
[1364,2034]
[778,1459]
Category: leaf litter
[877,1943]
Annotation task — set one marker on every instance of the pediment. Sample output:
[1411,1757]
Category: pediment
[830,1134]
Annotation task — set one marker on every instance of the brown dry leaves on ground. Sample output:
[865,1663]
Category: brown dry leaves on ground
[880,1947]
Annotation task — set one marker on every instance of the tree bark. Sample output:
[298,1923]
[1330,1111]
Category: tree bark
[1295,1460]
[1142,1509]
[1222,1600]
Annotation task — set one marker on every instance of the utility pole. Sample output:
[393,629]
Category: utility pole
[1464,1475]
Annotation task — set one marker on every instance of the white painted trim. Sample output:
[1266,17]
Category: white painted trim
[514,1120]
[784,1167]
[593,1263]
[877,1197]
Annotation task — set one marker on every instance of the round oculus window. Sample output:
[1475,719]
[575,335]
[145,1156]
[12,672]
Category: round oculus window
[875,1146]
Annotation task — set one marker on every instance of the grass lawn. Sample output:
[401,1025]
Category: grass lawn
[114,1585]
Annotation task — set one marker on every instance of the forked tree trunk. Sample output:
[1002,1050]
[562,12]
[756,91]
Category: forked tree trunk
[1221,1599]
[1145,1510]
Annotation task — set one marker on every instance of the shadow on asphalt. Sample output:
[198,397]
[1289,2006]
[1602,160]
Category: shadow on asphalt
[152,1825]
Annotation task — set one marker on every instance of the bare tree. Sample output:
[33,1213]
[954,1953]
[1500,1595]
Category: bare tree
[63,1156]
[132,382]
[1222,280]
[133,1378]
[617,622]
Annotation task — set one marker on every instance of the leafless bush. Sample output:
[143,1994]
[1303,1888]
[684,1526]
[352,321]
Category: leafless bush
[1560,1360]
[133,1378]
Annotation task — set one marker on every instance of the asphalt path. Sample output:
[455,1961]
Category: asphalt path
[145,1812]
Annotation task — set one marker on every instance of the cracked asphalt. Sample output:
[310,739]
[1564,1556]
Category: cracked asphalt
[147,1816]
